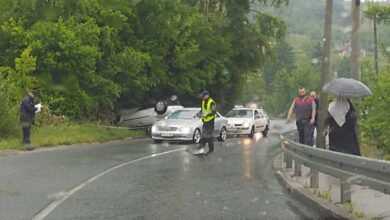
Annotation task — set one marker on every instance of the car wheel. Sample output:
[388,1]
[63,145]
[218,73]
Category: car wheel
[161,107]
[197,136]
[157,141]
[222,134]
[252,134]
[265,132]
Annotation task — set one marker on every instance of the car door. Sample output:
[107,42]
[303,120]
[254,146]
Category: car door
[260,121]
[257,122]
[217,124]
[266,116]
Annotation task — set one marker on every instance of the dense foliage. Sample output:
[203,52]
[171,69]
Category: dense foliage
[87,57]
[375,121]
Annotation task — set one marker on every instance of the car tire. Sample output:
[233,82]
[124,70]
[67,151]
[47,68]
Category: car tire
[265,132]
[161,107]
[252,134]
[222,134]
[197,136]
[157,141]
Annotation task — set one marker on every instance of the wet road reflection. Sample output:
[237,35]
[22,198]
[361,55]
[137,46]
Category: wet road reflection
[234,182]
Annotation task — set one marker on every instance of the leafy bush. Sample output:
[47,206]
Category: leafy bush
[46,117]
[375,119]
[13,86]
[8,109]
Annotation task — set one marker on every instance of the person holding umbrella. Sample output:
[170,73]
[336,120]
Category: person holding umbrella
[342,117]
[341,120]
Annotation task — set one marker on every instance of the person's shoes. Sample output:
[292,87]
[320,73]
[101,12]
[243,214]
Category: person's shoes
[28,147]
[200,152]
[209,153]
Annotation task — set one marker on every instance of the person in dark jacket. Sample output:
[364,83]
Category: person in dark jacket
[27,115]
[342,127]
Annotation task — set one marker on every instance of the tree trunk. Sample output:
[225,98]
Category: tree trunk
[355,40]
[325,74]
[376,47]
[355,51]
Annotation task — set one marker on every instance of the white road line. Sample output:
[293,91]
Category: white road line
[46,211]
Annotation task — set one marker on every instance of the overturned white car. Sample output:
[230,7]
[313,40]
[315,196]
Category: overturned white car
[144,118]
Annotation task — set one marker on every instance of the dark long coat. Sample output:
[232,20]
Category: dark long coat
[344,139]
[27,111]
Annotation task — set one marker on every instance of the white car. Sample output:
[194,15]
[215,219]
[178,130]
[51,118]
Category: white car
[184,125]
[144,118]
[247,121]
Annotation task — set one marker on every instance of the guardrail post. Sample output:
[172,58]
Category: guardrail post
[345,190]
[297,168]
[314,178]
[288,161]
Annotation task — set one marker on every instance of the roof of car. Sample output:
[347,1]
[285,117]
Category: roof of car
[189,108]
[243,108]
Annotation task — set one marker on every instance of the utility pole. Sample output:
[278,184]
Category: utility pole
[355,40]
[325,73]
[376,47]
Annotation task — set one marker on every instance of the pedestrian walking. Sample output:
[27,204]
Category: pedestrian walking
[207,113]
[342,127]
[27,116]
[313,94]
[305,111]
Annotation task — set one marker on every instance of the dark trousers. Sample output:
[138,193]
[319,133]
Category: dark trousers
[26,134]
[313,128]
[305,132]
[207,136]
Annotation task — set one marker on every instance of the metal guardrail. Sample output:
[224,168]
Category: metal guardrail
[350,169]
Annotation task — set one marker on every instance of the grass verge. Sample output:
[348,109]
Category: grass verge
[46,136]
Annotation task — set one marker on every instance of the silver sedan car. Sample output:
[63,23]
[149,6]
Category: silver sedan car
[184,125]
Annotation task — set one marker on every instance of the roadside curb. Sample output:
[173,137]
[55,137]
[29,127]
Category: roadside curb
[12,152]
[304,195]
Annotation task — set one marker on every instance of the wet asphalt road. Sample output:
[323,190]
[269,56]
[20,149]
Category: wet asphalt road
[136,179]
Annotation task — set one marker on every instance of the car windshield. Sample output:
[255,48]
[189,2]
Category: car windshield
[183,114]
[242,113]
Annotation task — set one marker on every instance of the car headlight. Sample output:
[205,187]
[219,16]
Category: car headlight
[154,128]
[245,124]
[185,130]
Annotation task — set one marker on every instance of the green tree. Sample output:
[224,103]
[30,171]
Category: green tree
[375,119]
[283,58]
[14,84]
[378,14]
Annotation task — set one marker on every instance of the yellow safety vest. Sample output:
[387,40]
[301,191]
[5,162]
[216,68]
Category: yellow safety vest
[206,111]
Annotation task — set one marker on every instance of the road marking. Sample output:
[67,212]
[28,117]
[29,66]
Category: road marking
[46,211]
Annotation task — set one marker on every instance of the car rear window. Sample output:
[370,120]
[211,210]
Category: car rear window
[240,113]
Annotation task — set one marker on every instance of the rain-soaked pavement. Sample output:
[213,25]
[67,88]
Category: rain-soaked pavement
[141,180]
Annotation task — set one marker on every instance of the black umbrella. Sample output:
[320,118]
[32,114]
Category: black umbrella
[346,87]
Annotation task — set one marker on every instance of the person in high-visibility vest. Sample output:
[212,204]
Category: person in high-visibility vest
[207,113]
